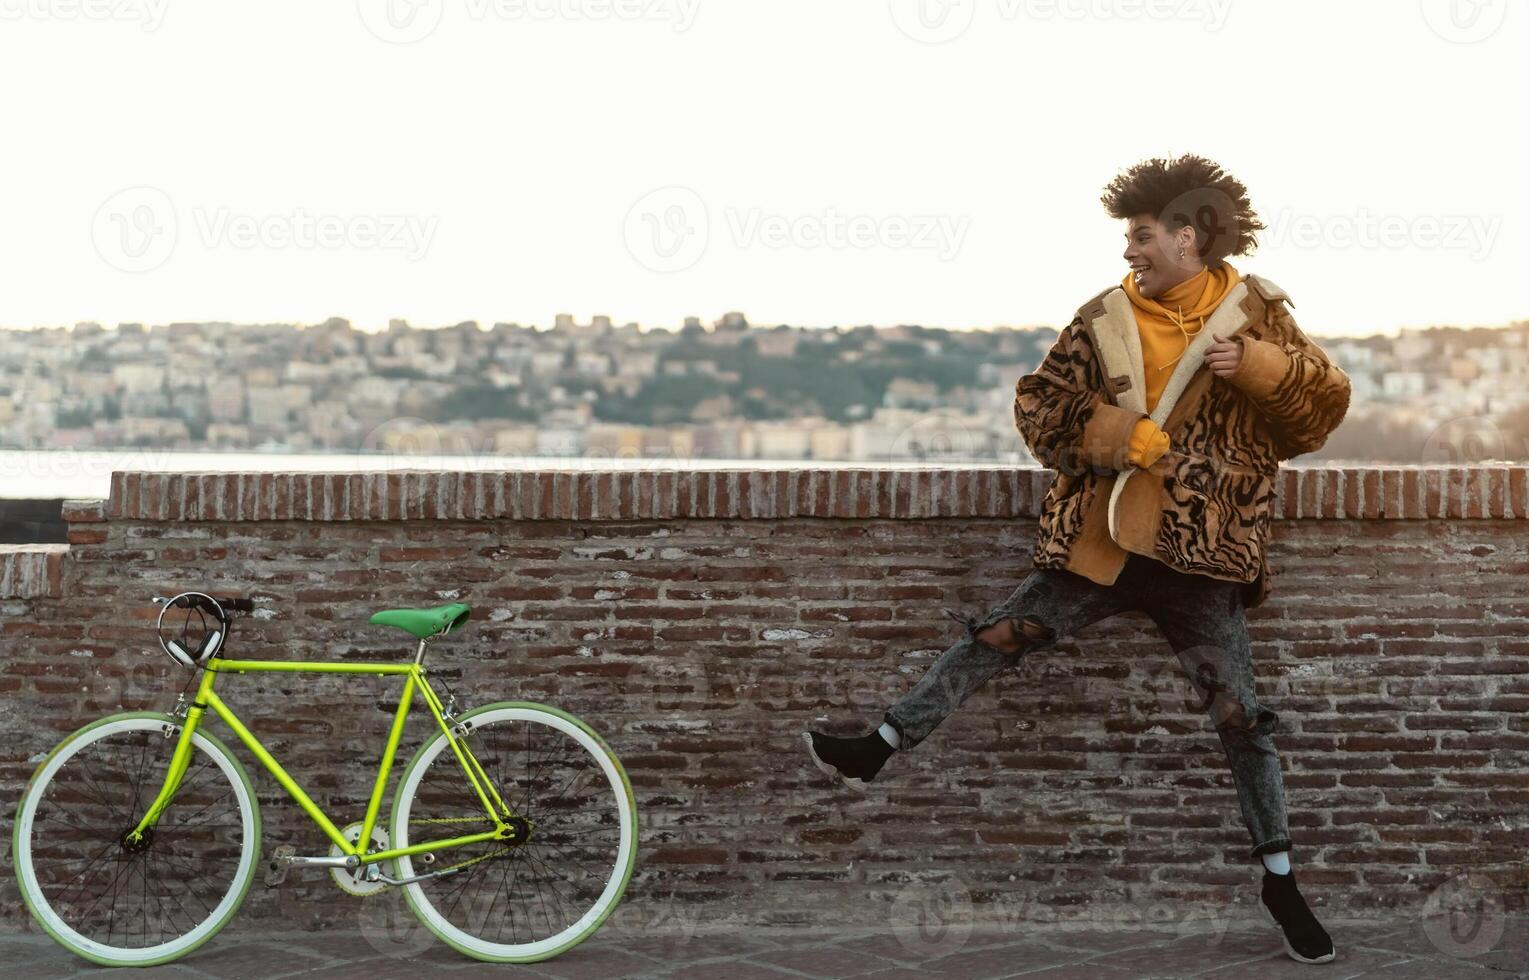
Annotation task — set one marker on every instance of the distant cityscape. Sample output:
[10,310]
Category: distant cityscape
[730,390]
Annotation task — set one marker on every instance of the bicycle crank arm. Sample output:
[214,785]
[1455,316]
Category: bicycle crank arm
[409,881]
[325,861]
[282,861]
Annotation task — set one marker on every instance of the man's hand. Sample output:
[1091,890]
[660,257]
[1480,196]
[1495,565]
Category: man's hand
[1223,356]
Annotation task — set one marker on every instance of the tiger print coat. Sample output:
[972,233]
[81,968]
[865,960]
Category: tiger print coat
[1204,506]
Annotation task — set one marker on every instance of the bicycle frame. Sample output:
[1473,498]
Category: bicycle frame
[414,682]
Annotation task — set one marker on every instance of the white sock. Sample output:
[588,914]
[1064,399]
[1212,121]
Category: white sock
[890,734]
[1278,862]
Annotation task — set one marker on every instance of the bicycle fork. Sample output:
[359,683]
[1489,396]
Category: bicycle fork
[179,761]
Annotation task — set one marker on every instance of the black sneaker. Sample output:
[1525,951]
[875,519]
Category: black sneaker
[847,759]
[1305,939]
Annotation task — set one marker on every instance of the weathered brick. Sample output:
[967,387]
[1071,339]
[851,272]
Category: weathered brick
[700,620]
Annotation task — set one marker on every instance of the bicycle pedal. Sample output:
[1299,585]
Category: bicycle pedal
[280,863]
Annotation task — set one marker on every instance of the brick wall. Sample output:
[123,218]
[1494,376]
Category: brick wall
[701,620]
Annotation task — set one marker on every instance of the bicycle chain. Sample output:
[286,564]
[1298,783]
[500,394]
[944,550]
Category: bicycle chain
[472,861]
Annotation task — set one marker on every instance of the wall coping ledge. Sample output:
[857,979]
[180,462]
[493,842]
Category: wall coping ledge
[32,571]
[1402,492]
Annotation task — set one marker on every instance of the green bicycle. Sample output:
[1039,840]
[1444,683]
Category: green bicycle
[513,831]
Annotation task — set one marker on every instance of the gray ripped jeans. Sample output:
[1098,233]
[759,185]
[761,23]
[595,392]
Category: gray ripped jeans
[1204,622]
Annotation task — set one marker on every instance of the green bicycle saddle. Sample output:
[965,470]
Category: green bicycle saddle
[423,623]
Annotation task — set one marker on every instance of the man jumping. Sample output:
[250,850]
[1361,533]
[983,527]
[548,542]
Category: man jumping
[1165,408]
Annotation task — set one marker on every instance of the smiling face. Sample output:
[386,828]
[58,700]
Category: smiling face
[1152,251]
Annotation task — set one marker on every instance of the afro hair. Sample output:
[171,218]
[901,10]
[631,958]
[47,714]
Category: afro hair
[1189,190]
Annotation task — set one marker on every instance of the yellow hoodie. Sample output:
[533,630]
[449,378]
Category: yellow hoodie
[1166,324]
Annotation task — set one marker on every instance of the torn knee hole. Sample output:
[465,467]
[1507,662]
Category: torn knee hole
[1037,630]
[1001,635]
[1252,731]
[1004,636]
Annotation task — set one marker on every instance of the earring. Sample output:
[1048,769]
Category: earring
[1181,253]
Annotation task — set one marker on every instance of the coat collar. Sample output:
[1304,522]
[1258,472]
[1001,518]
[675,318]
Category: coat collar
[1111,323]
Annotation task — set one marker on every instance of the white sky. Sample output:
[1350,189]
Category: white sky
[507,159]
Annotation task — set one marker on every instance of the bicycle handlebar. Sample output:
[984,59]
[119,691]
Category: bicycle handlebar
[229,603]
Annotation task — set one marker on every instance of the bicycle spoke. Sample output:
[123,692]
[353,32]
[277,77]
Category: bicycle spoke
[581,864]
[81,881]
[189,822]
[65,817]
[494,901]
[537,889]
[134,896]
[143,759]
[578,774]
[104,797]
[514,877]
[556,898]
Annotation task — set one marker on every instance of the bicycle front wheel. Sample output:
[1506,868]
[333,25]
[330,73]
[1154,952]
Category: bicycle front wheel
[135,903]
[548,890]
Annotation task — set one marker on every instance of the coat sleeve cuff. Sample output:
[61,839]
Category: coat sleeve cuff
[1148,443]
[1107,436]
[1262,367]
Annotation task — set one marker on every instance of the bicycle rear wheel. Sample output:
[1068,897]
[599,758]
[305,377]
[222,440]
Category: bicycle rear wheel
[121,903]
[550,890]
